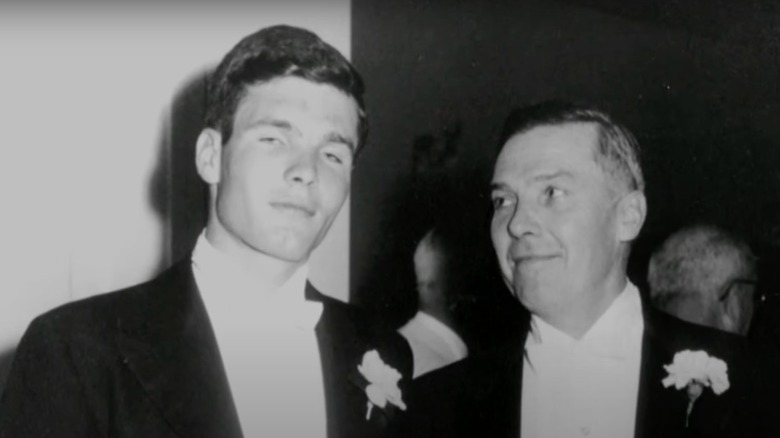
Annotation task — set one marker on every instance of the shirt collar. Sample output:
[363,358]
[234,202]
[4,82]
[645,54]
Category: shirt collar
[613,335]
[448,335]
[216,274]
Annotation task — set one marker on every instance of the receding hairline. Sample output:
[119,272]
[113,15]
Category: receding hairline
[597,156]
[619,152]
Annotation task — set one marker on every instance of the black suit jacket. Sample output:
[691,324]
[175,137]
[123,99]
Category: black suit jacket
[481,396]
[144,362]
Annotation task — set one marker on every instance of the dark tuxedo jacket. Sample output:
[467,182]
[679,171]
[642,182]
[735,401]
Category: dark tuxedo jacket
[481,396]
[144,362]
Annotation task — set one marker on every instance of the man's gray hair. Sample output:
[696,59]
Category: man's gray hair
[684,262]
[618,152]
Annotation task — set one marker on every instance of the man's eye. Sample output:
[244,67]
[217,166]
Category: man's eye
[334,158]
[271,140]
[499,202]
[338,155]
[552,193]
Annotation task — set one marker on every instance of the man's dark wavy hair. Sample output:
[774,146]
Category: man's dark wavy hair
[272,52]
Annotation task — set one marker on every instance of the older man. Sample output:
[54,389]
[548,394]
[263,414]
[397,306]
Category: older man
[705,275]
[591,359]
[233,340]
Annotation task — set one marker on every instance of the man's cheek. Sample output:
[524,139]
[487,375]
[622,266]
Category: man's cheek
[334,193]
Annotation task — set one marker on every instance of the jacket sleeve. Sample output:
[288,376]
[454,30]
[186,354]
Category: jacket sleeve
[44,396]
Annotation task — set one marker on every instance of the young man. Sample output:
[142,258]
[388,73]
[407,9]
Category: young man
[232,339]
[591,358]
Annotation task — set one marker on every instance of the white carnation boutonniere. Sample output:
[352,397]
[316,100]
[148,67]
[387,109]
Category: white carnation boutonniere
[695,370]
[382,382]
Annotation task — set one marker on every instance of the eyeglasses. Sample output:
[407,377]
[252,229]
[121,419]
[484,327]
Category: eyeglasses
[725,291]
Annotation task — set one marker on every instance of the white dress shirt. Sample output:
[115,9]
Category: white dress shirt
[268,346]
[433,344]
[586,387]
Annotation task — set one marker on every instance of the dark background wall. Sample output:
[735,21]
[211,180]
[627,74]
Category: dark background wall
[696,81]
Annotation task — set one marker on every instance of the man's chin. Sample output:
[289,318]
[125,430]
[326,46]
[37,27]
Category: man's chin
[292,255]
[295,251]
[525,294]
[518,295]
[516,291]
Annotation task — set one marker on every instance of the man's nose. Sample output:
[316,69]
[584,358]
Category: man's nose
[523,221]
[302,168]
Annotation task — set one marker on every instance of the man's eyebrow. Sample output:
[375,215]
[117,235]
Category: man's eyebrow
[276,123]
[497,186]
[335,137]
[331,137]
[561,174]
[544,177]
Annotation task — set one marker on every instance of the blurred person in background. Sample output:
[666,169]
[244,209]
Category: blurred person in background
[705,275]
[432,332]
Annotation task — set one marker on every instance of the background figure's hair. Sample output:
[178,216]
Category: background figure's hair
[438,241]
[685,260]
[278,51]
[618,152]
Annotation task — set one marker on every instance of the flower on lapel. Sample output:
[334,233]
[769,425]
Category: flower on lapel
[699,367]
[382,382]
[693,370]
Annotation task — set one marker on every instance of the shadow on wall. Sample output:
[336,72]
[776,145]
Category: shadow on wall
[176,192]
[6,359]
[703,104]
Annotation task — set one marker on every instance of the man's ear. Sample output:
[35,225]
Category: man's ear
[737,310]
[730,312]
[631,213]
[208,155]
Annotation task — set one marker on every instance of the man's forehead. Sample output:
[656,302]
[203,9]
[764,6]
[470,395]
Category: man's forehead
[288,97]
[568,136]
[548,151]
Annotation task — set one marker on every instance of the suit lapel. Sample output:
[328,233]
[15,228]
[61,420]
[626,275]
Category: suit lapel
[328,362]
[519,364]
[660,411]
[167,342]
[497,387]
[510,405]
[340,351]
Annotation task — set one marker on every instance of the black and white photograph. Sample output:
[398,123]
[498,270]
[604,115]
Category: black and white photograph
[406,219]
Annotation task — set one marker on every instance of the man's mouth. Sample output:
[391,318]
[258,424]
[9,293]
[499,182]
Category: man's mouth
[294,208]
[525,260]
